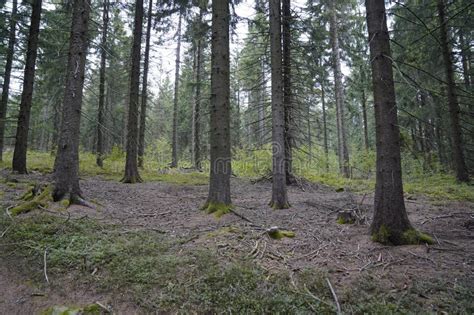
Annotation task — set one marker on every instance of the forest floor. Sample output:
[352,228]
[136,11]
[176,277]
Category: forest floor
[149,248]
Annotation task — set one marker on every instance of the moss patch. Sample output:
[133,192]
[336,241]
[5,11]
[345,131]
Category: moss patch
[33,202]
[408,237]
[414,237]
[278,234]
[92,309]
[216,208]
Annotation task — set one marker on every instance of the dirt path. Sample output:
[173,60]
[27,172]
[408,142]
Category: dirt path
[345,252]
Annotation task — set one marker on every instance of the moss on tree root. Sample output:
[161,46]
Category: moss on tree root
[408,237]
[33,200]
[217,208]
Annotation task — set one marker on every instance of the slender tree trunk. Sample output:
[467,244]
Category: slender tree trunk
[453,105]
[390,220]
[196,141]
[261,106]
[141,132]
[364,117]
[103,58]
[287,90]
[131,166]
[7,75]
[21,143]
[66,175]
[339,95]
[325,128]
[56,125]
[174,157]
[466,66]
[219,200]
[279,193]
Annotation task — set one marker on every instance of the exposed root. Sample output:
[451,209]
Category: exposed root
[217,208]
[35,197]
[132,179]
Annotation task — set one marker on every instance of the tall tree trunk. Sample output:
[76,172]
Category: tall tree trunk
[174,155]
[66,165]
[466,63]
[287,90]
[196,142]
[21,143]
[364,117]
[325,128]
[260,100]
[7,75]
[131,166]
[103,58]
[219,200]
[390,220]
[279,193]
[453,105]
[141,132]
[339,95]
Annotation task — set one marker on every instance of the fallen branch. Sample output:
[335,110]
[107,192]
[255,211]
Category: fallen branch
[338,306]
[45,266]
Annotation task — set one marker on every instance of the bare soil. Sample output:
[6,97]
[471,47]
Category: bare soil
[344,252]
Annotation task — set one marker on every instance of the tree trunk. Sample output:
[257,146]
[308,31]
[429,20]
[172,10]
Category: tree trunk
[287,91]
[390,217]
[66,165]
[196,145]
[174,155]
[453,105]
[325,128]
[7,75]
[260,100]
[103,57]
[279,193]
[339,95]
[131,166]
[21,143]
[364,117]
[466,65]
[219,200]
[141,132]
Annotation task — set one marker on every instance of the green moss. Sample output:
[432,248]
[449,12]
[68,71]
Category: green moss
[216,208]
[382,235]
[414,237]
[278,234]
[223,231]
[92,309]
[65,203]
[42,200]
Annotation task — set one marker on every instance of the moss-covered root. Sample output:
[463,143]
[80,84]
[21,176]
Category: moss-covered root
[277,206]
[277,234]
[408,237]
[92,309]
[217,208]
[35,198]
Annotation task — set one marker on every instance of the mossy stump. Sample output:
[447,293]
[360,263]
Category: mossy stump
[408,237]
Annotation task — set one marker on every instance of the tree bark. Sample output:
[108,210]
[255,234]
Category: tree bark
[174,154]
[466,65]
[390,219]
[220,168]
[287,90]
[66,175]
[279,193]
[325,128]
[364,117]
[141,131]
[7,75]
[453,105]
[21,143]
[103,59]
[131,166]
[196,130]
[343,153]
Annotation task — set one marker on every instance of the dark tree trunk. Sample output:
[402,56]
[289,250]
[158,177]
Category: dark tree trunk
[279,193]
[364,117]
[260,100]
[196,142]
[21,143]
[141,132]
[131,166]
[174,154]
[7,75]
[453,105]
[390,217]
[287,90]
[103,58]
[220,168]
[343,153]
[325,128]
[66,165]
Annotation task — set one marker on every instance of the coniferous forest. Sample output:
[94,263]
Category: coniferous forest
[237,157]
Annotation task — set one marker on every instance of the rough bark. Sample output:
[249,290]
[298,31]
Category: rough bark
[66,175]
[23,125]
[279,193]
[220,168]
[174,140]
[7,75]
[131,166]
[196,127]
[103,59]
[453,105]
[141,131]
[287,90]
[343,153]
[390,220]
